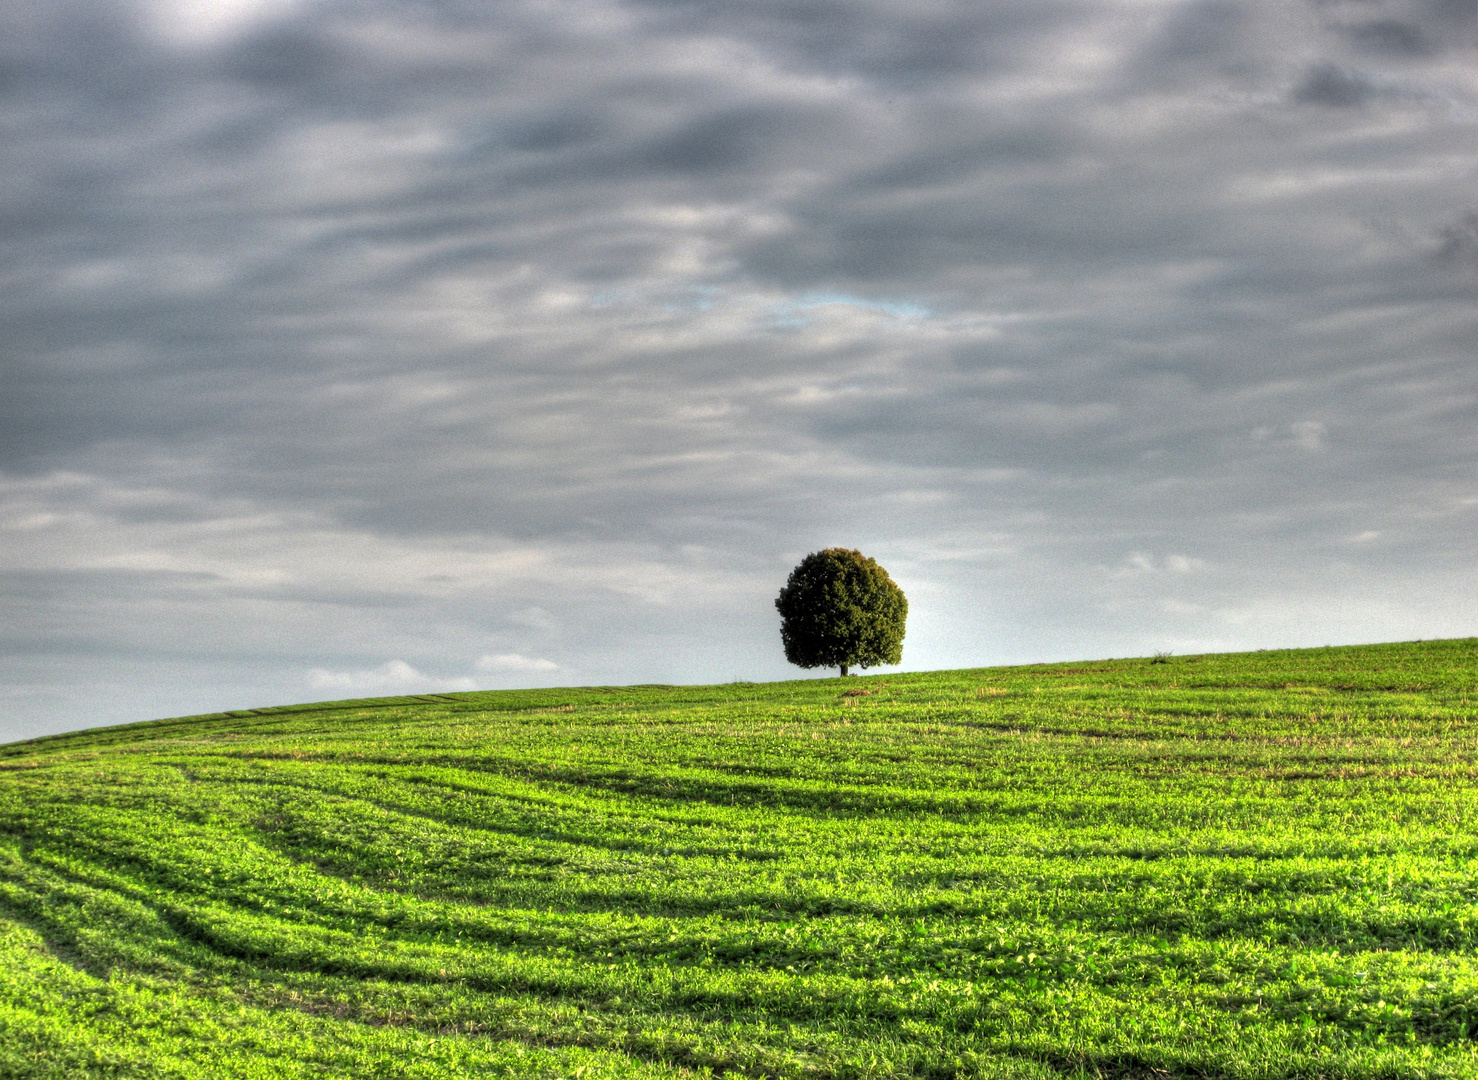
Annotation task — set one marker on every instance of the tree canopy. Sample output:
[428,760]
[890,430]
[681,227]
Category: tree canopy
[841,609]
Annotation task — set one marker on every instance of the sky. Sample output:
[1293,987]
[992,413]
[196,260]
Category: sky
[363,347]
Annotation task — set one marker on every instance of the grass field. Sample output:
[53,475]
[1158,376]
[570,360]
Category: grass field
[1252,865]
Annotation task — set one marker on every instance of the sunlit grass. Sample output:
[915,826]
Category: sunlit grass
[1256,865]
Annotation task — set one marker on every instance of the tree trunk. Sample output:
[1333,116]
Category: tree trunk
[844,671]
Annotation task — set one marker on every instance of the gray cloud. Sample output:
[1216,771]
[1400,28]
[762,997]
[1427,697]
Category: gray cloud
[1398,29]
[343,337]
[1458,241]
[1391,37]
[1329,84]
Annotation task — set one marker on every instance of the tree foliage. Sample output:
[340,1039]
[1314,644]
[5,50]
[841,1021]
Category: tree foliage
[841,609]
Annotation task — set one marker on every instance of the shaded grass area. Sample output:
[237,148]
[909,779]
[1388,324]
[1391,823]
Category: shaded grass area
[1256,866]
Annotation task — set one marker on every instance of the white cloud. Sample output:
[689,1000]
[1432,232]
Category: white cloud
[514,662]
[1309,435]
[534,616]
[395,676]
[1138,562]
[205,22]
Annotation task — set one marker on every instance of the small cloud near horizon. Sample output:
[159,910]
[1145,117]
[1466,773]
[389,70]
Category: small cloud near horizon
[396,675]
[514,662]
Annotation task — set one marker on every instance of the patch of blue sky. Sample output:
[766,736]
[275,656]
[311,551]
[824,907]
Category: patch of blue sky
[605,298]
[697,298]
[794,312]
[902,309]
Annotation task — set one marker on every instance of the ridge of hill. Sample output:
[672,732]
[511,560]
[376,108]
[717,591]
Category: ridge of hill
[1253,865]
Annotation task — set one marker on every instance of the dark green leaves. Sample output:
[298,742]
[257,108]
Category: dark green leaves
[841,609]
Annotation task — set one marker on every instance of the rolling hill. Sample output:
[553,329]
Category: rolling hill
[1255,865]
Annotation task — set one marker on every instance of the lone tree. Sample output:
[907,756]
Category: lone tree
[841,609]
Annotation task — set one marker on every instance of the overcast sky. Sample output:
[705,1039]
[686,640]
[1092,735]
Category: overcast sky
[356,347]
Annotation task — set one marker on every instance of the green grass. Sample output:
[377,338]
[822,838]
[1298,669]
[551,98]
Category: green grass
[1257,865]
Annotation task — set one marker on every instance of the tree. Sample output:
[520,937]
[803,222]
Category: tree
[841,609]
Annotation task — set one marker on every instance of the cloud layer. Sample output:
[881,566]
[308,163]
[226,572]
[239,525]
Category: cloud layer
[467,344]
